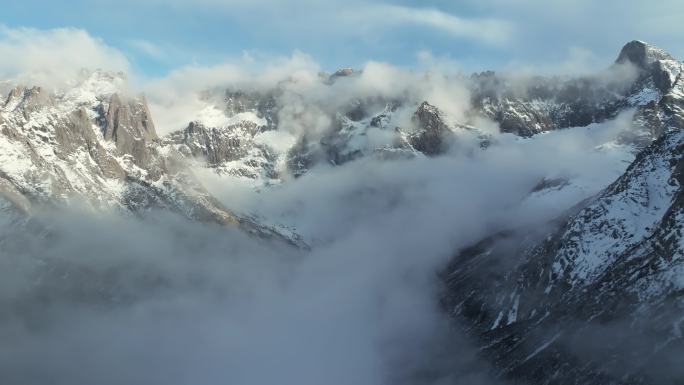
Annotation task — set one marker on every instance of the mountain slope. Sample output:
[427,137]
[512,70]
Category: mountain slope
[598,298]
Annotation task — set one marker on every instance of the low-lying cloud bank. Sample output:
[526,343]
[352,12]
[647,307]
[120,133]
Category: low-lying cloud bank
[94,298]
[98,299]
[109,300]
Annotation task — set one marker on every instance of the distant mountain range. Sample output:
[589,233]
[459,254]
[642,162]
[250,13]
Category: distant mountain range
[597,297]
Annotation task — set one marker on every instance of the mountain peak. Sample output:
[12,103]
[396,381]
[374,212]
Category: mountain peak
[427,109]
[341,73]
[431,128]
[25,97]
[641,54]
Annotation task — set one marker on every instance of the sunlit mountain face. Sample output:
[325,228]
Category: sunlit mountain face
[181,210]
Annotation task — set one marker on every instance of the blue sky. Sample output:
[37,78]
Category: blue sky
[157,36]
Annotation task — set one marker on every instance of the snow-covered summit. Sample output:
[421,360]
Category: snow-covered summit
[93,144]
[641,75]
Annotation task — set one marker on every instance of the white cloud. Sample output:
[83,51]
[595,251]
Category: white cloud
[348,18]
[175,98]
[163,300]
[577,61]
[484,30]
[543,31]
[148,48]
[185,302]
[306,102]
[51,57]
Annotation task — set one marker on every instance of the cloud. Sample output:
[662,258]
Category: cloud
[369,14]
[306,102]
[148,48]
[176,99]
[481,35]
[483,30]
[164,300]
[577,61]
[51,57]
[349,18]
[222,4]
[542,32]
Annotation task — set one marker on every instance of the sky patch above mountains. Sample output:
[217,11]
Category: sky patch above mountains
[161,36]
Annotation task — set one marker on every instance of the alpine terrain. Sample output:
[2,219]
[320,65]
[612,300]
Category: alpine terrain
[591,294]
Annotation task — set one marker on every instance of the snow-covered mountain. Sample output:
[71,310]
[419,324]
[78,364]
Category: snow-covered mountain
[642,77]
[237,133]
[596,297]
[92,145]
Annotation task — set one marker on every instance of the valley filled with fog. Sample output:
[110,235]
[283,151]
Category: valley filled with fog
[99,298]
[197,194]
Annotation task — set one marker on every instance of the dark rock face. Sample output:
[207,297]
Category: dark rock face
[649,60]
[129,126]
[230,147]
[431,137]
[220,144]
[547,103]
[262,104]
[341,73]
[641,54]
[302,157]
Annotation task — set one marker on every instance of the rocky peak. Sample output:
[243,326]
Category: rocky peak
[428,115]
[29,98]
[341,73]
[239,101]
[641,54]
[430,130]
[529,106]
[652,63]
[92,143]
[218,144]
[128,123]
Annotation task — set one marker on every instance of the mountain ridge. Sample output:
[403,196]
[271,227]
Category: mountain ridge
[596,298]
[531,299]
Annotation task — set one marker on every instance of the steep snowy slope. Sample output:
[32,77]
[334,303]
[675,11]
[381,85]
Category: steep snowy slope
[595,298]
